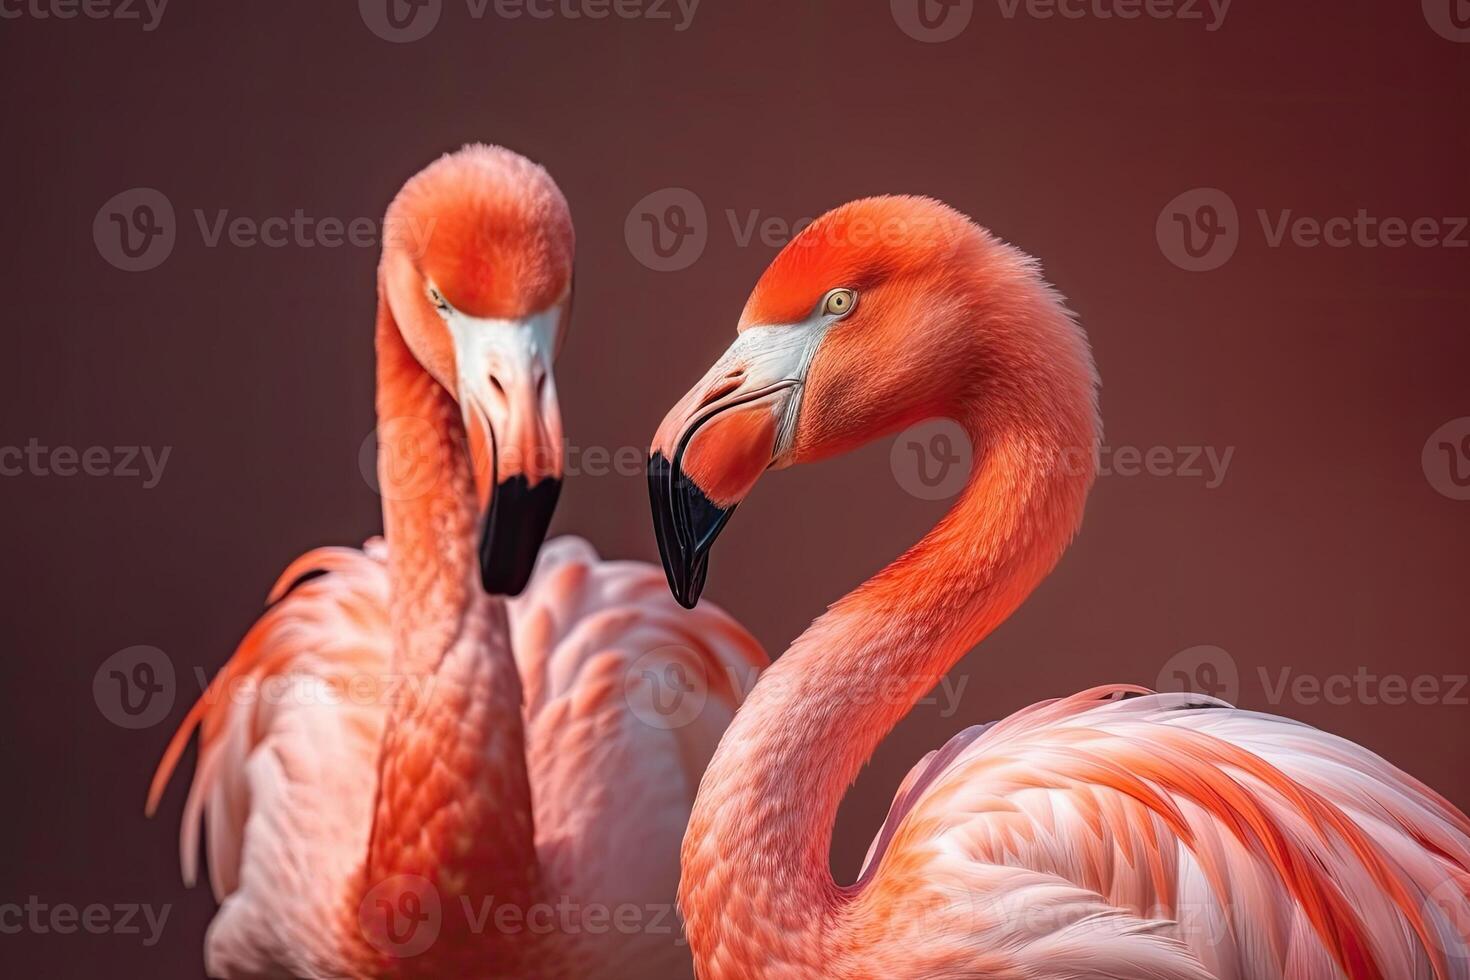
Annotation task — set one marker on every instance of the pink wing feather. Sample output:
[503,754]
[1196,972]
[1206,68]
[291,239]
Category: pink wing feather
[288,743]
[1183,836]
[615,752]
[288,754]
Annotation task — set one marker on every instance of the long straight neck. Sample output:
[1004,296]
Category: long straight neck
[767,806]
[454,801]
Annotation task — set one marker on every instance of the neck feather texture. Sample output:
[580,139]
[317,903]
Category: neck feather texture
[454,802]
[760,834]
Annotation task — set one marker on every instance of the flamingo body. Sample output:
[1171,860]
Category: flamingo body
[601,647]
[1113,834]
[286,785]
[286,782]
[1163,835]
[390,784]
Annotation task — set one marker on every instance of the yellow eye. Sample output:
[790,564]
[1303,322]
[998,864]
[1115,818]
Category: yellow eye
[839,302]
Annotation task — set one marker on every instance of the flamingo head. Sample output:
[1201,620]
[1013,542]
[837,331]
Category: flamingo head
[875,317]
[477,274]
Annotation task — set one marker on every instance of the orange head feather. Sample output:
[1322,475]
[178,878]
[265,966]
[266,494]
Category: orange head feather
[879,314]
[490,228]
[475,281]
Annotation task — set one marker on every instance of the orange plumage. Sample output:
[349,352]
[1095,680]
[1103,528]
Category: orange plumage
[401,775]
[1116,833]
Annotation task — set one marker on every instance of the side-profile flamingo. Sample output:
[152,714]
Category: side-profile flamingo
[1115,833]
[388,790]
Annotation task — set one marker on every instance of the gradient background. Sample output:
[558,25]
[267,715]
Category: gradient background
[1326,550]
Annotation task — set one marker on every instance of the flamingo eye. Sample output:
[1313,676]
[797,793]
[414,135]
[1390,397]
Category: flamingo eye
[437,298]
[839,302]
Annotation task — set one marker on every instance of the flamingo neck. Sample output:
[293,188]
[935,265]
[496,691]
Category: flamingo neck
[761,830]
[454,802]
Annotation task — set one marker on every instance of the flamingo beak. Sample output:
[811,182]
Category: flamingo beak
[686,523]
[508,396]
[713,446]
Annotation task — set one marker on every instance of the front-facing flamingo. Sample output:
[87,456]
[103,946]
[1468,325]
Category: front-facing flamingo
[1111,834]
[388,789]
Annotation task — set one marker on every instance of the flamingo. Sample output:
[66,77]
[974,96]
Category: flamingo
[1115,833]
[403,773]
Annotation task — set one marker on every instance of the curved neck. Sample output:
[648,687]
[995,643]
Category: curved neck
[454,801]
[815,717]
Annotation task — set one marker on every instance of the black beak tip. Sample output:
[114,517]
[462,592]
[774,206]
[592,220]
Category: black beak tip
[695,589]
[686,523]
[519,517]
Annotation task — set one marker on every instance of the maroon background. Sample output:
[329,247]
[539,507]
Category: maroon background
[1325,550]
